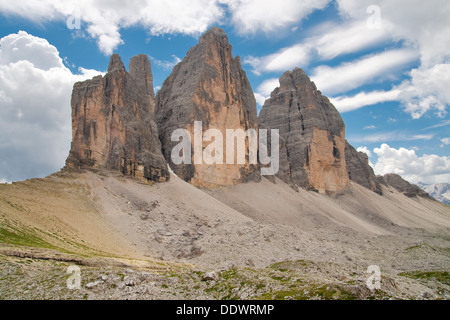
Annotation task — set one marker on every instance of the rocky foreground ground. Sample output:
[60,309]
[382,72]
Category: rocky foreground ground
[33,277]
[252,241]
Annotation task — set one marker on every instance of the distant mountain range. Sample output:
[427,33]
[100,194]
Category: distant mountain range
[440,191]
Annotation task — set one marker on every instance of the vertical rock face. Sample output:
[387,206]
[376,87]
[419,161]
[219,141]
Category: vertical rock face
[141,69]
[113,125]
[312,134]
[359,169]
[209,85]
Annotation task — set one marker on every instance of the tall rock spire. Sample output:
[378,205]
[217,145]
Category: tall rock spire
[113,123]
[209,85]
[141,69]
[312,134]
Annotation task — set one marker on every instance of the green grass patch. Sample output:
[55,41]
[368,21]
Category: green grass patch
[15,236]
[306,293]
[439,276]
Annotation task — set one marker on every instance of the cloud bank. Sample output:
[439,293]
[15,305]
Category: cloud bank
[35,128]
[428,169]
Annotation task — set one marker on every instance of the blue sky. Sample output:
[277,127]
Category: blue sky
[384,64]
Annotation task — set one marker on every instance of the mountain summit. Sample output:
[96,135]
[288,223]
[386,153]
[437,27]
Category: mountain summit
[312,133]
[210,86]
[119,124]
[212,227]
[113,124]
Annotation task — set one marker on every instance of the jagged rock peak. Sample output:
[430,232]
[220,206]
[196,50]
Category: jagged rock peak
[215,34]
[210,86]
[141,68]
[113,123]
[115,63]
[295,79]
[312,134]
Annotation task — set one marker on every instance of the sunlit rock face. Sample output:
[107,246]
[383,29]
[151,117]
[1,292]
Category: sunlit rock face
[113,123]
[210,86]
[312,134]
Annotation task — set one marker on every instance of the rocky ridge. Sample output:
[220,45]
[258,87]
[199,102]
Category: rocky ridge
[403,186]
[119,124]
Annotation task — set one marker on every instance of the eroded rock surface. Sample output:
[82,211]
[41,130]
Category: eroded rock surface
[312,134]
[359,169]
[403,186]
[113,123]
[210,86]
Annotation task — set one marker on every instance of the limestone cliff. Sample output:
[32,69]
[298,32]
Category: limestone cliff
[113,125]
[359,169]
[312,134]
[209,85]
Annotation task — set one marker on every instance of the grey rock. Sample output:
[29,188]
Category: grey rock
[211,276]
[401,185]
[359,169]
[141,68]
[116,64]
[130,282]
[209,85]
[312,134]
[92,285]
[249,262]
[113,123]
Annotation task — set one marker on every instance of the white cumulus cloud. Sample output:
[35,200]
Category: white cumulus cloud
[428,168]
[260,99]
[390,136]
[103,20]
[35,114]
[283,60]
[428,89]
[351,75]
[363,99]
[422,28]
[426,26]
[166,64]
[250,16]
[332,41]
[265,89]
